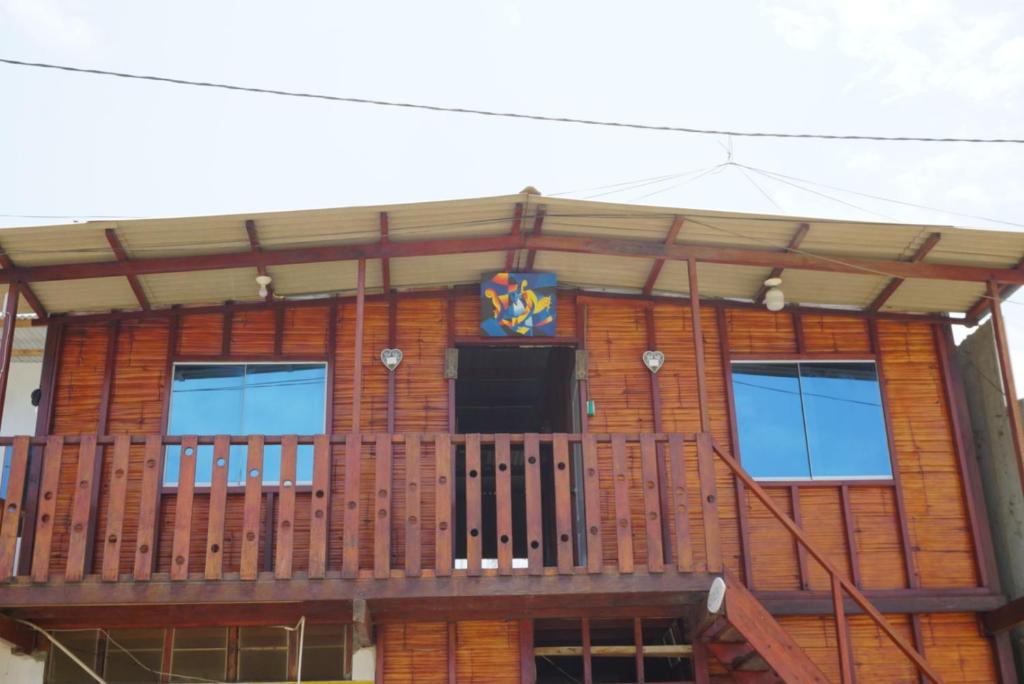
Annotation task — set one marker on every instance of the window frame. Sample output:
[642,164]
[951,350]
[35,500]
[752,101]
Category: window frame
[327,385]
[798,360]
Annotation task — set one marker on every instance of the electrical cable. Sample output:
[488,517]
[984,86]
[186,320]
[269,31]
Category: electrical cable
[67,651]
[507,115]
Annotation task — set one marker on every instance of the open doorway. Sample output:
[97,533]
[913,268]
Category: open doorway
[513,390]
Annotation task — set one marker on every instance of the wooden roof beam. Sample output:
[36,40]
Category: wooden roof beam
[517,226]
[254,245]
[890,288]
[794,243]
[26,291]
[717,254]
[385,262]
[976,311]
[133,280]
[538,225]
[659,263]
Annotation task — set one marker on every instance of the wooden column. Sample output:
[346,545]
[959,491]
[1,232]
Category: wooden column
[1005,372]
[357,370]
[698,346]
[7,340]
[664,510]
[392,341]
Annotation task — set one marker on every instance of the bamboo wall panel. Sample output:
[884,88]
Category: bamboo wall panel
[772,547]
[414,653]
[822,513]
[954,643]
[753,331]
[816,636]
[932,489]
[835,334]
[876,658]
[487,652]
[252,332]
[305,330]
[201,333]
[877,535]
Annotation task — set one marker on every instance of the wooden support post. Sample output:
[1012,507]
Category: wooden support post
[851,535]
[661,471]
[357,370]
[113,332]
[638,641]
[563,505]
[592,503]
[444,498]
[392,343]
[382,508]
[842,632]
[623,518]
[801,552]
[350,530]
[503,502]
[534,516]
[588,664]
[698,346]
[527,663]
[7,340]
[218,507]
[413,502]
[320,508]
[1006,375]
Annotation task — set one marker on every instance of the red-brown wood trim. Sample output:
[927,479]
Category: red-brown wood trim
[453,637]
[798,331]
[133,280]
[385,262]
[26,291]
[944,353]
[527,663]
[267,561]
[332,354]
[581,383]
[1006,375]
[805,356]
[670,238]
[225,339]
[734,438]
[915,626]
[801,552]
[851,534]
[794,243]
[450,335]
[588,665]
[256,249]
[515,232]
[890,288]
[7,340]
[357,370]
[638,642]
[554,340]
[109,368]
[698,346]
[664,502]
[392,342]
[976,311]
[846,675]
[538,226]
[166,655]
[901,512]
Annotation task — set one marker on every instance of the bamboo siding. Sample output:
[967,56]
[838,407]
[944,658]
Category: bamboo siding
[477,651]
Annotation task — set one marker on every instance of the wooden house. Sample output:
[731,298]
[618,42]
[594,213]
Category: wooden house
[311,443]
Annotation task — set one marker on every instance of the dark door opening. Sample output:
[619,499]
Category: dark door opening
[512,390]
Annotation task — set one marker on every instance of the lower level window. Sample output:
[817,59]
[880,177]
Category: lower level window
[810,420]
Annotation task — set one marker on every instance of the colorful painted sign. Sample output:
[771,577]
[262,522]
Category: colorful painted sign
[518,305]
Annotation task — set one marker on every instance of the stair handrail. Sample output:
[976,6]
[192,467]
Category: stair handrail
[839,583]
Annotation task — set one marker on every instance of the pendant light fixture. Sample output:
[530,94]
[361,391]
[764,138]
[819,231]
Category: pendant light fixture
[774,298]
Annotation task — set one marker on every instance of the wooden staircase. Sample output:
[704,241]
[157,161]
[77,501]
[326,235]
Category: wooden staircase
[741,635]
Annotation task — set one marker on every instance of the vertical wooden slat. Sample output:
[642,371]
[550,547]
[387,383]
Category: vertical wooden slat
[709,502]
[801,551]
[592,503]
[662,478]
[248,568]
[527,662]
[47,508]
[350,541]
[638,642]
[7,343]
[680,503]
[382,509]
[851,537]
[80,509]
[453,670]
[413,514]
[698,347]
[286,508]
[357,367]
[474,518]
[563,503]
[503,504]
[588,665]
[267,548]
[319,507]
[842,631]
[218,503]
[443,500]
[152,479]
[701,671]
[113,332]
[534,513]
[182,541]
[115,510]
[623,523]
[12,507]
[652,503]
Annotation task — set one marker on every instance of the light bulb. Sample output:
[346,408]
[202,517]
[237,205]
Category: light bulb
[263,281]
[774,299]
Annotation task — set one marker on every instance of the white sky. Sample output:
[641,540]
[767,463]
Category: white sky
[81,145]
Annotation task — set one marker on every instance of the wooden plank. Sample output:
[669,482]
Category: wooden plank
[47,508]
[534,511]
[592,503]
[517,223]
[851,534]
[652,503]
[350,539]
[7,340]
[588,664]
[248,568]
[623,522]
[12,506]
[357,363]
[382,509]
[80,509]
[801,552]
[115,507]
[284,550]
[670,238]
[842,632]
[527,663]
[503,501]
[680,503]
[113,332]
[413,506]
[563,503]
[638,641]
[320,506]
[182,541]
[698,347]
[267,547]
[890,289]
[152,481]
[444,498]
[474,515]
[709,502]
[218,504]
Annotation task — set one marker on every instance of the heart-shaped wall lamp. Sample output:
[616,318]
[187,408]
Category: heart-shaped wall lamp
[654,360]
[391,358]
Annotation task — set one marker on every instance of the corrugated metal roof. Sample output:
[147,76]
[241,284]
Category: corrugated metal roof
[492,216]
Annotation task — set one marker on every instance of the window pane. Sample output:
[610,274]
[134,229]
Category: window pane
[199,654]
[845,422]
[61,669]
[323,652]
[142,660]
[205,400]
[770,420]
[262,654]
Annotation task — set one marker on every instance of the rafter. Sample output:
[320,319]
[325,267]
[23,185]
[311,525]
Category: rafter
[122,256]
[385,262]
[890,288]
[978,309]
[538,225]
[517,226]
[659,263]
[26,291]
[257,249]
[794,243]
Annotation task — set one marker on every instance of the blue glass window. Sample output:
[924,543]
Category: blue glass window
[243,399]
[811,420]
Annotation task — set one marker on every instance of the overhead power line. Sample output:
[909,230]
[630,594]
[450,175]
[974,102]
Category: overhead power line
[507,115]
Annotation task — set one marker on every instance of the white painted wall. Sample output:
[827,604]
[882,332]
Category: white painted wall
[20,669]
